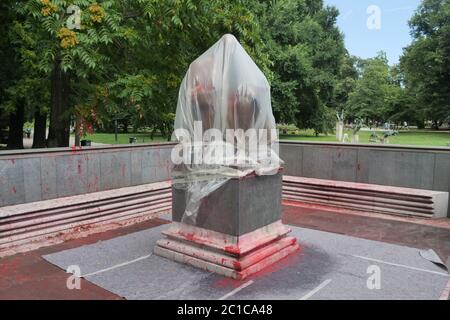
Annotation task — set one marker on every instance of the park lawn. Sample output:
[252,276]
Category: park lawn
[123,138]
[423,138]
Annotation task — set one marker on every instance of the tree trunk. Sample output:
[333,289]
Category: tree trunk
[421,124]
[15,135]
[125,125]
[59,130]
[40,127]
[436,125]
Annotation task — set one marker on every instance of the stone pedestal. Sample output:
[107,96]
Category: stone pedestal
[238,230]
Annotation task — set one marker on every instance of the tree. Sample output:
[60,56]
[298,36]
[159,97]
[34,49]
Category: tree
[402,105]
[68,53]
[306,49]
[12,112]
[127,58]
[347,77]
[426,62]
[121,59]
[377,93]
[165,37]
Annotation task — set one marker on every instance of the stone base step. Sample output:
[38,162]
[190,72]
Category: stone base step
[234,257]
[22,224]
[222,270]
[366,197]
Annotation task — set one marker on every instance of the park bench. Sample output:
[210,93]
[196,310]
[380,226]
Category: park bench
[366,197]
[29,225]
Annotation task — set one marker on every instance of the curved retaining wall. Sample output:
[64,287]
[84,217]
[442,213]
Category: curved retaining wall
[399,166]
[33,175]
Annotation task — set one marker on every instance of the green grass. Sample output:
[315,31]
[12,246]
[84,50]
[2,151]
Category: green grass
[423,138]
[123,138]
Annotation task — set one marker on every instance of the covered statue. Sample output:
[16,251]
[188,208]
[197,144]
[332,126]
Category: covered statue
[223,95]
[227,181]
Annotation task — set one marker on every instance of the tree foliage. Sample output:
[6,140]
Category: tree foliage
[426,62]
[126,58]
[307,51]
[123,60]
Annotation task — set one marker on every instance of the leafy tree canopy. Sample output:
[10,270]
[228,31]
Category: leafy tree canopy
[426,62]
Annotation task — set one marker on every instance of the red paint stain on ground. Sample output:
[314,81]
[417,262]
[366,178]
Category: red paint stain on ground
[21,278]
[8,266]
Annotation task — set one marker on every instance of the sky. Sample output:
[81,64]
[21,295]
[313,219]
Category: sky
[370,26]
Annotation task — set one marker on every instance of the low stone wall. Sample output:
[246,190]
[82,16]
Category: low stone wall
[400,166]
[34,175]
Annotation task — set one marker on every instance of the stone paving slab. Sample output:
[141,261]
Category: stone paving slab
[328,266]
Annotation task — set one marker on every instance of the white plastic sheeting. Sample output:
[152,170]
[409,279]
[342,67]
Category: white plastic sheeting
[224,122]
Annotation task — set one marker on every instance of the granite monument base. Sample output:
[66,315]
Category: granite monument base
[238,230]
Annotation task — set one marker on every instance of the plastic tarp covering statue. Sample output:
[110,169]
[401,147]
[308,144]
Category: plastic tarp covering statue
[224,123]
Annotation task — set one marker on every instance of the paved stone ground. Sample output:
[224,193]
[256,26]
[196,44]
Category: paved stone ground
[29,276]
[336,264]
[384,230]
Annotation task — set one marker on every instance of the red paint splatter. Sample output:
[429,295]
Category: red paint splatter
[75,148]
[13,189]
[20,278]
[233,250]
[8,266]
[237,265]
[189,236]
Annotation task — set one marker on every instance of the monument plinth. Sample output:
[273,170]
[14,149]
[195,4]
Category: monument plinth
[227,218]
[238,230]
